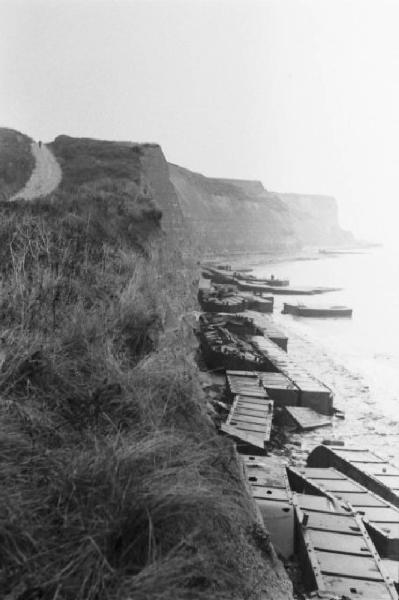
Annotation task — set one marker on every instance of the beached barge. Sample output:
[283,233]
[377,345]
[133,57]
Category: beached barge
[366,467]
[260,303]
[223,350]
[213,301]
[238,323]
[273,281]
[268,328]
[257,286]
[268,483]
[337,556]
[250,286]
[300,310]
[249,422]
[245,383]
[281,388]
[262,384]
[275,334]
[313,393]
[381,518]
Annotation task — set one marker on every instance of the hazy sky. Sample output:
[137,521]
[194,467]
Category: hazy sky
[302,94]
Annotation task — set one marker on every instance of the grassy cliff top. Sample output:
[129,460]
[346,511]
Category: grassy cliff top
[85,160]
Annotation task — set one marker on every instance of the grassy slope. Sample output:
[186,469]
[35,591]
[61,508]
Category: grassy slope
[16,162]
[113,484]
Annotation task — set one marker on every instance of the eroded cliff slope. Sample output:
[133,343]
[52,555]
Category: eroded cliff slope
[238,215]
[114,483]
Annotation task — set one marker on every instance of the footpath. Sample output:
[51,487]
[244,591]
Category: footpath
[46,175]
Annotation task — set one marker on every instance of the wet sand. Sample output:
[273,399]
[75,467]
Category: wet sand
[364,424]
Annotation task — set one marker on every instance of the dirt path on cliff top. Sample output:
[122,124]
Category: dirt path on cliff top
[46,175]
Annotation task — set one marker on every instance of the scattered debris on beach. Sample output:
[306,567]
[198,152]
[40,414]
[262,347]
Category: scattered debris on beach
[332,515]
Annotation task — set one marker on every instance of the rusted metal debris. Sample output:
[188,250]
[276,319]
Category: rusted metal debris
[337,556]
[306,418]
[367,468]
[381,518]
[268,483]
[250,420]
[313,393]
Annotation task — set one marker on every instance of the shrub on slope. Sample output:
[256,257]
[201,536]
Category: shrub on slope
[16,162]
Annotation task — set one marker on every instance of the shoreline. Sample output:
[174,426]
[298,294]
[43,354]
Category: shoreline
[362,427]
[306,254]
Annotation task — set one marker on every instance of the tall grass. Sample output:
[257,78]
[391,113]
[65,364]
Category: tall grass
[113,484]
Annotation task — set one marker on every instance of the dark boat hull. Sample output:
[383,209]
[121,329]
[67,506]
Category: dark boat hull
[215,359]
[304,311]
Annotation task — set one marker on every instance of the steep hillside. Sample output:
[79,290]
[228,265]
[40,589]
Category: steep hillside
[235,215]
[114,485]
[229,215]
[16,161]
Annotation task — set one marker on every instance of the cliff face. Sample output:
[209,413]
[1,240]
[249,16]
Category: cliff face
[315,219]
[237,215]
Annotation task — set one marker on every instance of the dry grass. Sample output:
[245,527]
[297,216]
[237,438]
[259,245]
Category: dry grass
[113,484]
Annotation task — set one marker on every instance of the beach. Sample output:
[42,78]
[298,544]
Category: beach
[357,358]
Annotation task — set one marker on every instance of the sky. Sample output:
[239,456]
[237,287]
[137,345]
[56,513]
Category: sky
[300,94]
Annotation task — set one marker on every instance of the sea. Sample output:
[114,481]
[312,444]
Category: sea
[358,357]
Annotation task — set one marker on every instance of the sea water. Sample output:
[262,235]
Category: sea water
[357,358]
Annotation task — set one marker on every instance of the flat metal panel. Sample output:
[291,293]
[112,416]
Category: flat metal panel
[250,412]
[357,589]
[392,568]
[373,468]
[333,522]
[232,372]
[252,400]
[308,502]
[248,392]
[261,404]
[363,456]
[247,419]
[349,566]
[316,473]
[342,485]
[261,480]
[382,514]
[359,500]
[270,467]
[339,542]
[266,493]
[385,469]
[307,418]
[279,520]
[392,481]
[255,428]
[251,438]
[240,405]
[271,479]
[390,529]
[258,477]
[256,468]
